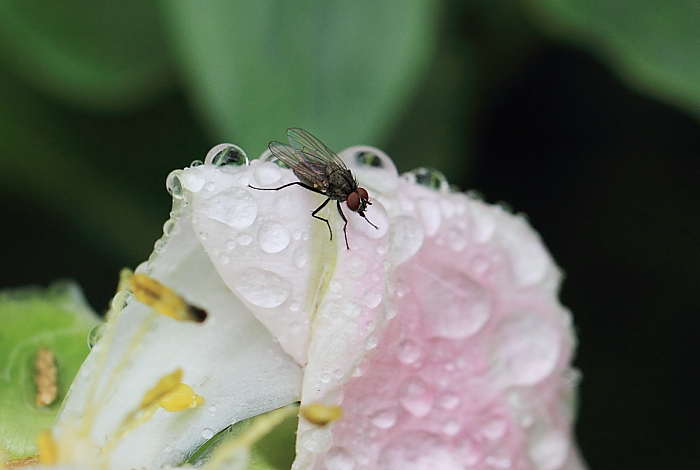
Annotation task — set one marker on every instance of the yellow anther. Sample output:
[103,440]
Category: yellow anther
[45,376]
[165,386]
[48,452]
[320,414]
[163,299]
[181,398]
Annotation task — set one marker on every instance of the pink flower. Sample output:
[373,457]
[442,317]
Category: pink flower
[439,334]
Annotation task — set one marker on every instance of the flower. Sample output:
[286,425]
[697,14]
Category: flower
[437,336]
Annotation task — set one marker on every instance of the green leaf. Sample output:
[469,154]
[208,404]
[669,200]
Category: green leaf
[653,45]
[57,319]
[99,55]
[342,70]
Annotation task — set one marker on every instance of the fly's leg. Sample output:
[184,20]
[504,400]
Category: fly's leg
[340,211]
[313,214]
[305,186]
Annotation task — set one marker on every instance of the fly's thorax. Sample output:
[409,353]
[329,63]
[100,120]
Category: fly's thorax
[340,184]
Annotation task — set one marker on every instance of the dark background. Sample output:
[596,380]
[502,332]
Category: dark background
[607,176]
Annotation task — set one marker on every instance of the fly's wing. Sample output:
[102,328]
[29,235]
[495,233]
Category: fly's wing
[316,154]
[307,174]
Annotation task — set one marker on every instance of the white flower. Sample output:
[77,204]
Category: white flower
[439,335]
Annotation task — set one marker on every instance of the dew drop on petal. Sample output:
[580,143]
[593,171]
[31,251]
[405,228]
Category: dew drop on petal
[208,433]
[192,180]
[244,239]
[96,334]
[451,427]
[174,185]
[455,305]
[548,450]
[317,440]
[407,236]
[273,237]
[447,401]
[262,288]
[301,256]
[408,351]
[526,348]
[361,368]
[234,207]
[415,397]
[494,429]
[212,408]
[384,419]
[429,212]
[226,155]
[372,298]
[339,459]
[267,173]
[168,449]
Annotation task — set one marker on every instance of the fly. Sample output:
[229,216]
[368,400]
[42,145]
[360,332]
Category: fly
[320,170]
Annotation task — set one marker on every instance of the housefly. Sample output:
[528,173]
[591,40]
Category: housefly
[320,170]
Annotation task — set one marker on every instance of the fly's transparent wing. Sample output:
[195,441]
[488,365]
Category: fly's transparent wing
[307,173]
[316,154]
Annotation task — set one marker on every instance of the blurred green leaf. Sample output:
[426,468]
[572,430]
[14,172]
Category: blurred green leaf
[653,45]
[339,69]
[57,319]
[97,55]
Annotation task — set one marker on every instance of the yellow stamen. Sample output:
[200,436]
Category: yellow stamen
[45,377]
[165,386]
[320,414]
[48,452]
[18,463]
[163,299]
[180,399]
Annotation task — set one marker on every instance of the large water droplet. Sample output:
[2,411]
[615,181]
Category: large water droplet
[207,433]
[262,288]
[455,305]
[267,174]
[429,177]
[407,236]
[429,212]
[273,237]
[526,348]
[317,440]
[95,335]
[338,458]
[384,419]
[234,207]
[409,351]
[192,179]
[415,397]
[227,154]
[174,185]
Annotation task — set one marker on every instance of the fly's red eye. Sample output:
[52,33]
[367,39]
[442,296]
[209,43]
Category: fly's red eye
[363,193]
[354,201]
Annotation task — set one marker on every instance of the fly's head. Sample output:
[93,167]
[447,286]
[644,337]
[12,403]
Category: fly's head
[358,201]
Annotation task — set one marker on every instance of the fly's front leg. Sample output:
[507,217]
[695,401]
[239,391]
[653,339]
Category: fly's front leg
[313,214]
[340,211]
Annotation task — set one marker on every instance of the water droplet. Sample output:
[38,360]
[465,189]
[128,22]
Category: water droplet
[167,449]
[207,433]
[301,256]
[234,207]
[409,351]
[95,335]
[351,309]
[196,163]
[335,286]
[361,368]
[296,234]
[548,449]
[174,184]
[209,186]
[294,306]
[227,154]
[192,179]
[244,239]
[526,347]
[273,237]
[168,227]
[339,459]
[528,257]
[317,440]
[451,427]
[494,429]
[262,288]
[455,305]
[267,174]
[367,158]
[415,397]
[384,419]
[159,245]
[338,374]
[120,300]
[407,236]
[372,298]
[371,343]
[429,177]
[448,401]
[325,377]
[430,215]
